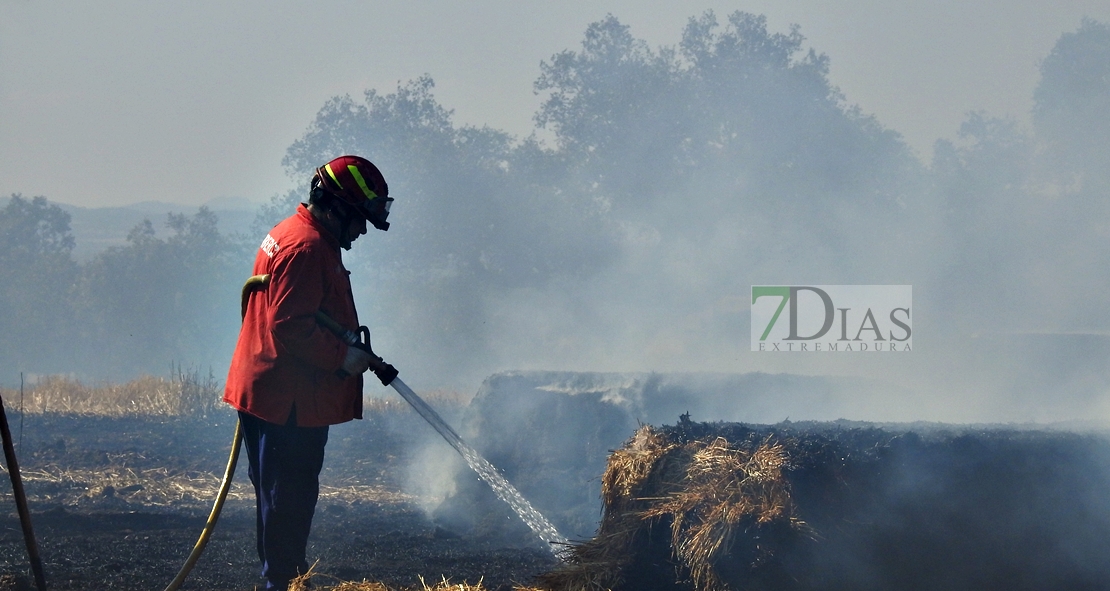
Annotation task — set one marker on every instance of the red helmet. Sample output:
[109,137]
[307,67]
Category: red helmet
[357,182]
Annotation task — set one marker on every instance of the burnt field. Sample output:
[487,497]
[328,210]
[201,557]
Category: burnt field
[118,502]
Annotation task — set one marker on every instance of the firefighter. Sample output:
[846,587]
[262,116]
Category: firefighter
[290,378]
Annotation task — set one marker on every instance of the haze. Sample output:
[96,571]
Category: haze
[681,157]
[116,102]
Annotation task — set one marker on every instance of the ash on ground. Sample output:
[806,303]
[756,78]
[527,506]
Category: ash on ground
[119,502]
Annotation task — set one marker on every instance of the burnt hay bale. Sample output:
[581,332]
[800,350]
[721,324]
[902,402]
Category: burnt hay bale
[551,433]
[823,506]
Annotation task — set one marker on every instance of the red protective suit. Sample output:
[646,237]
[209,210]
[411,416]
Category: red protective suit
[283,357]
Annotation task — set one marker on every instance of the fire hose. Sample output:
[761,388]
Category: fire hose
[210,525]
[249,287]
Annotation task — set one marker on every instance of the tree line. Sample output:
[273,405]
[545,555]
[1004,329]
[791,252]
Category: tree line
[664,178]
[131,309]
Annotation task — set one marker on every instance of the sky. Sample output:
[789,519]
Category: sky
[122,101]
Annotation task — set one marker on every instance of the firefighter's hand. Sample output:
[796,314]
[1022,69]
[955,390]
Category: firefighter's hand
[385,372]
[357,361]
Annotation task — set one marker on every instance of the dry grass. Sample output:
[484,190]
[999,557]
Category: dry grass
[301,583]
[135,477]
[596,564]
[53,484]
[708,492]
[170,488]
[725,490]
[184,393]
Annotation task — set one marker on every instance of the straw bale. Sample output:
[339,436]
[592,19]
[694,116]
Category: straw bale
[704,491]
[630,466]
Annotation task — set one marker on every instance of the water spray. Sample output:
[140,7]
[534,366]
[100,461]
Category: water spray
[487,472]
[505,491]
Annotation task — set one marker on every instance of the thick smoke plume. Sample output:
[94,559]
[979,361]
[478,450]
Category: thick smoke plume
[668,181]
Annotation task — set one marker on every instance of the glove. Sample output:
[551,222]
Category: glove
[385,372]
[357,361]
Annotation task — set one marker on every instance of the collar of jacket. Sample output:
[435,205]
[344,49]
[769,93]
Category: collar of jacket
[307,217]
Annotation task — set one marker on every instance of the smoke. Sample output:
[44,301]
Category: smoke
[679,178]
[620,258]
[746,167]
[669,181]
[432,473]
[660,184]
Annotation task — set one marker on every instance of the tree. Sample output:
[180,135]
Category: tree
[739,132]
[476,216]
[615,110]
[159,301]
[739,98]
[982,184]
[38,270]
[1070,109]
[1025,210]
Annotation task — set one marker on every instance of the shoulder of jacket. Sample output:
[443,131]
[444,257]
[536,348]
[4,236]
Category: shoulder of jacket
[293,235]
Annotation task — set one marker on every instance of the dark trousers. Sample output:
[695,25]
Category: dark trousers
[285,463]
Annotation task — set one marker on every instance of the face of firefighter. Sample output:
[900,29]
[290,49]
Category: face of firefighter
[342,222]
[355,227]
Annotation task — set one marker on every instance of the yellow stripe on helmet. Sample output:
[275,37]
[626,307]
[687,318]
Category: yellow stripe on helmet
[361,181]
[331,173]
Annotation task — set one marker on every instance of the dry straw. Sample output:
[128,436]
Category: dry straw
[184,393]
[709,492]
[302,583]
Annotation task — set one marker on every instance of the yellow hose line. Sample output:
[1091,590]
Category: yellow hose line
[225,486]
[253,283]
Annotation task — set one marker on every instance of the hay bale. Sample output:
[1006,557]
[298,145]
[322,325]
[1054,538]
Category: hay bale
[838,506]
[706,493]
[550,433]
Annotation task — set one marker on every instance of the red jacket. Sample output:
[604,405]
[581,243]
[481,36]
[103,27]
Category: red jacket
[283,357]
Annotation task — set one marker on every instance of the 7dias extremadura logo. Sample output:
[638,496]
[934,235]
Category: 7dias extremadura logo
[831,318]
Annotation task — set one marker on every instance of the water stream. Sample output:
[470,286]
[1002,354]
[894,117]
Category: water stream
[487,472]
